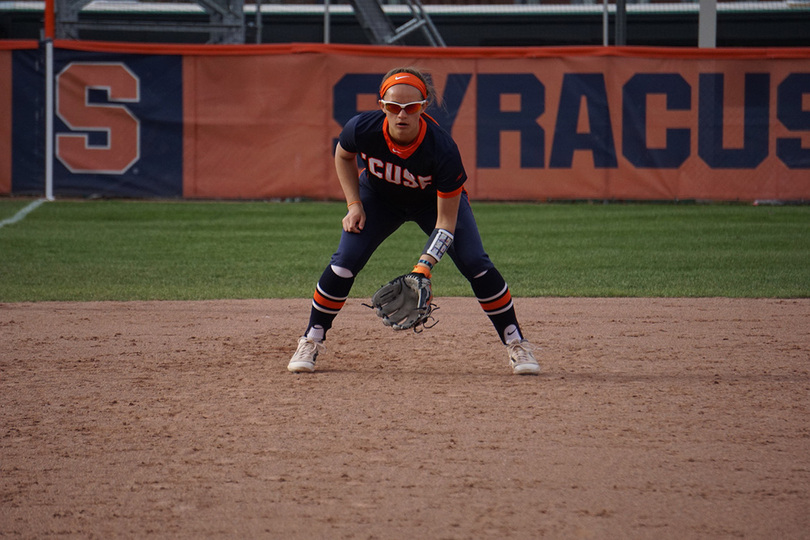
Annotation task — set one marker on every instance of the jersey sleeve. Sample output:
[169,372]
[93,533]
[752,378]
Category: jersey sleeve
[451,174]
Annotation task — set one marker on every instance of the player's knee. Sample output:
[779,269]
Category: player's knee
[342,272]
[476,270]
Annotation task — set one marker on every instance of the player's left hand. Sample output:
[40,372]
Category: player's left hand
[404,302]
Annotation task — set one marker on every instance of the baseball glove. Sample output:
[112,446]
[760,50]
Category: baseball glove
[405,302]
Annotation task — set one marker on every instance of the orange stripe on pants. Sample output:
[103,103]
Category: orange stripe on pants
[497,304]
[327,303]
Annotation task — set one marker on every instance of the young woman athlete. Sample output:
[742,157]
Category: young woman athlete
[412,172]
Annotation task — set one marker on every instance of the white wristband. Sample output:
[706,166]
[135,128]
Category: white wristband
[438,243]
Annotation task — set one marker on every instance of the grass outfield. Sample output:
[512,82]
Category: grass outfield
[134,250]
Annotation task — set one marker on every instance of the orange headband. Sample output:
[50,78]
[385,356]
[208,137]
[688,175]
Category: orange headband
[404,78]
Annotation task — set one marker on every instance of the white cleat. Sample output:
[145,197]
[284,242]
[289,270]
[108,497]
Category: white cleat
[521,358]
[303,361]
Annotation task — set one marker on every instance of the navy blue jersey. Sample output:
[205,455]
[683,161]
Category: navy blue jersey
[409,175]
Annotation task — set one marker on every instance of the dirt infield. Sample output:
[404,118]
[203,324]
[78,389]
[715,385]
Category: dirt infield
[653,418]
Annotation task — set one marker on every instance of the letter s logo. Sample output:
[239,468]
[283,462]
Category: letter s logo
[122,146]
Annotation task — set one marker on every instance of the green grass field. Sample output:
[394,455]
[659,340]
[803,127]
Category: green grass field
[134,250]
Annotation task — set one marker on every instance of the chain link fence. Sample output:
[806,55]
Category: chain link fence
[784,23]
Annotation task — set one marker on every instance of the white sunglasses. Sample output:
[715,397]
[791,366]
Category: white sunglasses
[395,108]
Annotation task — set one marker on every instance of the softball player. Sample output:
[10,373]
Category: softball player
[412,172]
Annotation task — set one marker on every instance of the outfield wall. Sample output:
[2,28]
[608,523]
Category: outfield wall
[257,122]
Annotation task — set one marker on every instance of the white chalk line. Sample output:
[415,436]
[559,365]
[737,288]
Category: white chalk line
[19,216]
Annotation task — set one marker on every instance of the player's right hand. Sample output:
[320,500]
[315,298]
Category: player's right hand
[355,219]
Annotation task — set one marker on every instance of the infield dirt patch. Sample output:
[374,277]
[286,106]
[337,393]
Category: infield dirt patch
[653,418]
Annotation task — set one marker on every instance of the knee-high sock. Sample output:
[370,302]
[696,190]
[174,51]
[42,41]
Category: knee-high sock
[330,296]
[493,294]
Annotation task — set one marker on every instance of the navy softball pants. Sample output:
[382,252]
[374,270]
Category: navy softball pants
[383,219]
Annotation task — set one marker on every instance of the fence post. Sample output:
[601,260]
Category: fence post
[621,23]
[605,37]
[50,30]
[707,24]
